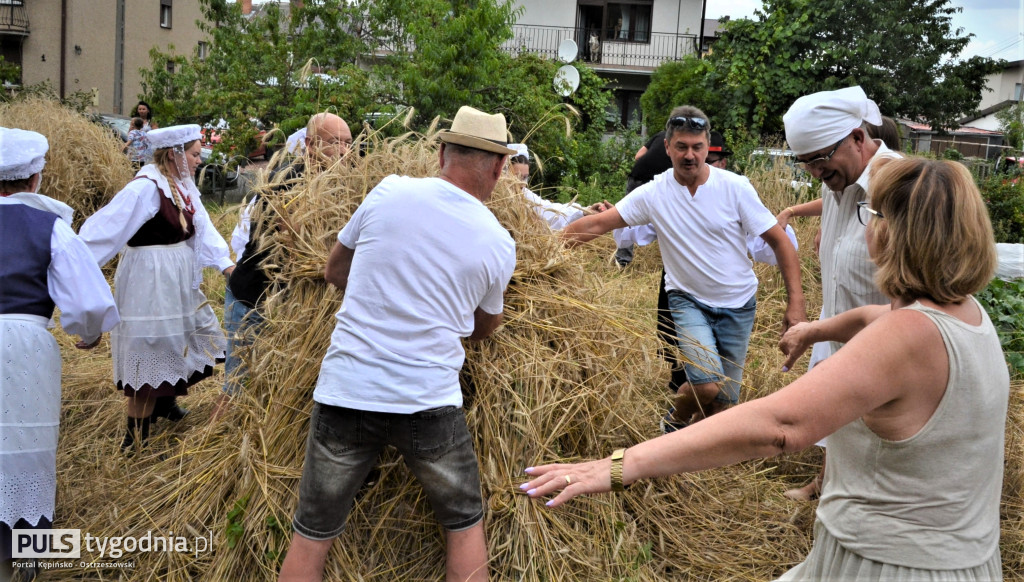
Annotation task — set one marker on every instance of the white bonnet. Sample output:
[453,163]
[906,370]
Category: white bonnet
[167,137]
[22,153]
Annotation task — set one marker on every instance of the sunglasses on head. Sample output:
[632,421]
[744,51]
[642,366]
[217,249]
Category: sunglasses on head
[689,122]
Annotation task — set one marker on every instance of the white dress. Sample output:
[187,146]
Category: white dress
[31,372]
[169,337]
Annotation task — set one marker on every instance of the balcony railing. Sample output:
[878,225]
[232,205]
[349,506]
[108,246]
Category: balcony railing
[13,18]
[644,52]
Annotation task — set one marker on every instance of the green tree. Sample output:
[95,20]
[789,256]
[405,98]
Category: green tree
[258,68]
[678,83]
[903,52]
[1011,123]
[447,56]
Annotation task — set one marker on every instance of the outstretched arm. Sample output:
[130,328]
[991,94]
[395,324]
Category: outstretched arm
[840,328]
[905,351]
[812,208]
[593,226]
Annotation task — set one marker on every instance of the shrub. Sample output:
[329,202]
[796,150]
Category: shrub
[1004,301]
[1004,197]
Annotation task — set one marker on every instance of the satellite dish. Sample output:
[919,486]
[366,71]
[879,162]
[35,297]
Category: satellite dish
[567,50]
[567,80]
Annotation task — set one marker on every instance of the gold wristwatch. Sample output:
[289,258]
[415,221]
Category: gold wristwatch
[617,470]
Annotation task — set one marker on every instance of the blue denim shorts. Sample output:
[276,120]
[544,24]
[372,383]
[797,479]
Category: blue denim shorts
[343,446]
[713,341]
[241,324]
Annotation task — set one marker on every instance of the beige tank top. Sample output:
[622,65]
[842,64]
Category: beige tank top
[930,501]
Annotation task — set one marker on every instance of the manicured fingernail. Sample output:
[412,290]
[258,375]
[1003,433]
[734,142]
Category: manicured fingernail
[524,485]
[550,503]
[785,368]
[531,491]
[528,470]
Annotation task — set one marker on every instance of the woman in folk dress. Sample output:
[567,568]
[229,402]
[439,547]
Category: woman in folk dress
[169,338]
[43,265]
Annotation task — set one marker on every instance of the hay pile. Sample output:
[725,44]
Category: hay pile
[573,372]
[85,166]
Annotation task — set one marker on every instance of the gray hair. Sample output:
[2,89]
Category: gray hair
[466,156]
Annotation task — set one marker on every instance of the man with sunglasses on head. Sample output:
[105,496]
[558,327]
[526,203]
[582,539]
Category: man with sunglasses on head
[702,215]
[828,132]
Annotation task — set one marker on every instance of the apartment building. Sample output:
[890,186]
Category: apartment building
[96,46]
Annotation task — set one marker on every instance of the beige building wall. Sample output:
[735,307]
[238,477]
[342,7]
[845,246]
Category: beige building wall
[1005,86]
[91,45]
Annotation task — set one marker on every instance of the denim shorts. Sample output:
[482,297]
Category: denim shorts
[241,324]
[343,446]
[713,341]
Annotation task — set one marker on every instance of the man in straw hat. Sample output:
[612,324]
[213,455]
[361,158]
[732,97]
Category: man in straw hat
[828,132]
[326,139]
[702,215]
[43,264]
[423,263]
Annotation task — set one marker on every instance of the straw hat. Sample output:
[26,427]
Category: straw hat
[167,137]
[475,129]
[22,153]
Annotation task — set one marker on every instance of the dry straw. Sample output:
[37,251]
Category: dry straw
[85,166]
[573,373]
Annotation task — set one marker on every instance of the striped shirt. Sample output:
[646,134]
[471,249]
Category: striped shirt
[847,273]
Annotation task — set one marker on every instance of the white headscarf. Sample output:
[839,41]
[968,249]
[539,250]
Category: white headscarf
[819,120]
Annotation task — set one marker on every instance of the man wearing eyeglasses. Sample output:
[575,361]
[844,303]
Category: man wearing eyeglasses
[702,216]
[828,133]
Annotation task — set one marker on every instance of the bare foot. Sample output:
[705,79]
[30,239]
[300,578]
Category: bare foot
[220,408]
[808,492]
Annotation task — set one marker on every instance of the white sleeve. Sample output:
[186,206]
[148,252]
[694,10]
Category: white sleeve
[213,250]
[108,230]
[77,286]
[240,236]
[641,235]
[493,301]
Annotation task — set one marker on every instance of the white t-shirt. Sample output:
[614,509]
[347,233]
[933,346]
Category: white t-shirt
[427,255]
[703,238]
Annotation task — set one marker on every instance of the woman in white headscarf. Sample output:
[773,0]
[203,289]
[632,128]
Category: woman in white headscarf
[169,337]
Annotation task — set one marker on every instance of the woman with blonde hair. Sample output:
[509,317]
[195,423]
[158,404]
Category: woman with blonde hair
[169,337]
[914,404]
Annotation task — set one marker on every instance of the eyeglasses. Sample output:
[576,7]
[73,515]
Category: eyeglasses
[713,159]
[864,212]
[818,161]
[689,122]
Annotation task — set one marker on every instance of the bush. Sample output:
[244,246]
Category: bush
[1004,197]
[1004,301]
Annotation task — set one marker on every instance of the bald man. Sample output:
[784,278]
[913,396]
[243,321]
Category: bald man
[328,139]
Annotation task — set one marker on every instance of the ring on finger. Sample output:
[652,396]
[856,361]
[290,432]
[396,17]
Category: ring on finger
[568,480]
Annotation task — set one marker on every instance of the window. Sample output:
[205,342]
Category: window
[203,51]
[170,66]
[1017,92]
[165,13]
[628,22]
[624,109]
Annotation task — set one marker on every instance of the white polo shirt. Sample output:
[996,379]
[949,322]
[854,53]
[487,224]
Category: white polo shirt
[427,255]
[703,238]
